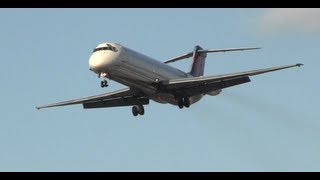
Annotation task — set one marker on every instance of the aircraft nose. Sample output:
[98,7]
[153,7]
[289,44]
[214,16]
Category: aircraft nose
[95,64]
[102,61]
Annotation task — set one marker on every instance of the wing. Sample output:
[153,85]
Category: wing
[199,85]
[187,55]
[122,97]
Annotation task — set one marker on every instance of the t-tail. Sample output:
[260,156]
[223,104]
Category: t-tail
[199,58]
[198,62]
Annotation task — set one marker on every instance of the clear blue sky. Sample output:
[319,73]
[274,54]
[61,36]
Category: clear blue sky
[269,124]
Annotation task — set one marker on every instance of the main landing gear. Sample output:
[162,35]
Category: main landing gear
[183,102]
[137,109]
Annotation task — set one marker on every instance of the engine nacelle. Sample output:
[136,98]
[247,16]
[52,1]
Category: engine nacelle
[214,93]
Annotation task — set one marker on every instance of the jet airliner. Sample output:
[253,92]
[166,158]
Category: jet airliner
[148,79]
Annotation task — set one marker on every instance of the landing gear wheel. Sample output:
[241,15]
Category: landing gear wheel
[183,102]
[180,103]
[186,102]
[138,109]
[135,111]
[104,83]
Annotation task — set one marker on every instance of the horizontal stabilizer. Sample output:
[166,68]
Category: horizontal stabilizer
[187,55]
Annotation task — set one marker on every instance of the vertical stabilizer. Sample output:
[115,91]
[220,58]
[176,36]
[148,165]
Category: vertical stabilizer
[198,62]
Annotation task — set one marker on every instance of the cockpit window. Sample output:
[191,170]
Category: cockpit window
[109,47]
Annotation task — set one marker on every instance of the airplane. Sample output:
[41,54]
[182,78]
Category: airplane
[149,79]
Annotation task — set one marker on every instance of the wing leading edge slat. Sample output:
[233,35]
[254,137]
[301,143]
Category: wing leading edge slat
[115,94]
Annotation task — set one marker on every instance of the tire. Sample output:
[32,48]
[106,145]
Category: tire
[141,110]
[186,102]
[180,103]
[135,110]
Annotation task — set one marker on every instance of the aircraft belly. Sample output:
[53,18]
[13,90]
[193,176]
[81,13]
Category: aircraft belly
[134,78]
[163,98]
[171,99]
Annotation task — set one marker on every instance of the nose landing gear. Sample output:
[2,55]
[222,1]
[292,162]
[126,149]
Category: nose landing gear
[104,83]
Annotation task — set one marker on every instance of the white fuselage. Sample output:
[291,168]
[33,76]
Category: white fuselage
[135,70]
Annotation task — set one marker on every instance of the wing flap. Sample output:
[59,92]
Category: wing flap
[118,102]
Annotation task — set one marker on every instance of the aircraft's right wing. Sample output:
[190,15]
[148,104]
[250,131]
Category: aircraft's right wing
[122,97]
[198,85]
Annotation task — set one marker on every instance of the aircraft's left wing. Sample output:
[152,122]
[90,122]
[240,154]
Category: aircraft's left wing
[204,84]
[122,97]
